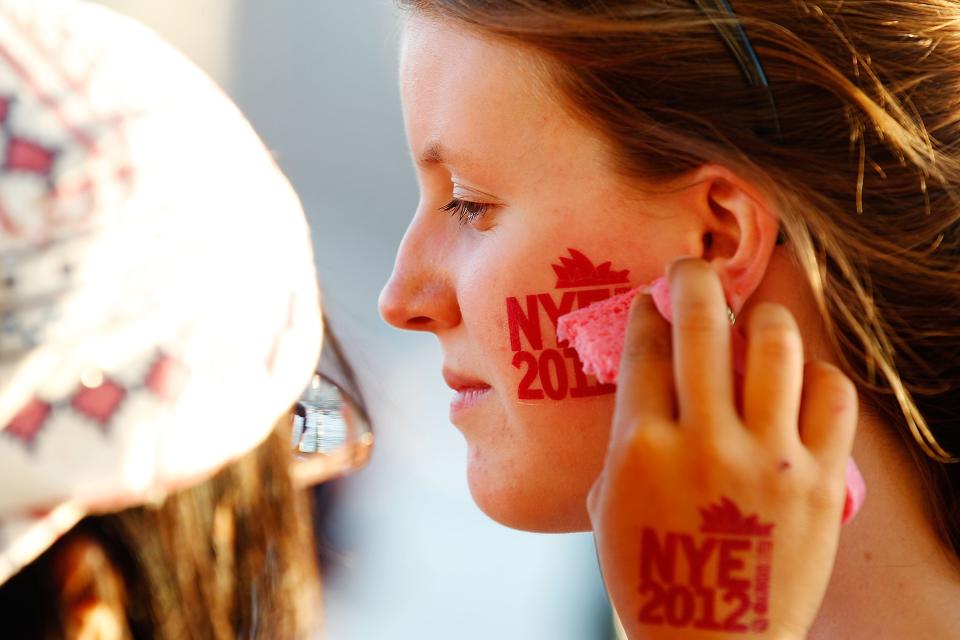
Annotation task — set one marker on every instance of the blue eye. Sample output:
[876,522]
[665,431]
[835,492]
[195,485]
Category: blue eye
[465,210]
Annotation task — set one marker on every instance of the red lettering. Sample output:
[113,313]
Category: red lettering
[588,297]
[728,564]
[761,589]
[583,387]
[528,322]
[712,591]
[526,391]
[697,558]
[523,319]
[708,618]
[764,549]
[648,614]
[733,621]
[656,557]
[558,390]
[679,606]
[553,310]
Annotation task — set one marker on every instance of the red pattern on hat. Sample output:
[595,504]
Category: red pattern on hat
[29,421]
[24,155]
[99,403]
[167,378]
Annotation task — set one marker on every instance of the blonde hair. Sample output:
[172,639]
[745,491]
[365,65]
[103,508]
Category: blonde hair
[866,169]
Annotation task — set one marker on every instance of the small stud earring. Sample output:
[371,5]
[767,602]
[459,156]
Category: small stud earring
[731,316]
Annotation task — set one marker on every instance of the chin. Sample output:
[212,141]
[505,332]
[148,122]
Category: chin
[526,501]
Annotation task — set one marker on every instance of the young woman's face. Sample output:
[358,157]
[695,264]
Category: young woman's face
[521,218]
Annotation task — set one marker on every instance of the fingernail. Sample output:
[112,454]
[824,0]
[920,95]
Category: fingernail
[659,290]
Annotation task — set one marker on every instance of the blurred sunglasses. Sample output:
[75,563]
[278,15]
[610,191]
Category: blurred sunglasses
[331,435]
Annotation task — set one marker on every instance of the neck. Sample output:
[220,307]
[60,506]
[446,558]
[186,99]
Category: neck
[893,578]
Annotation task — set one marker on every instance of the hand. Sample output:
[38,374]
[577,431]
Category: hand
[716,518]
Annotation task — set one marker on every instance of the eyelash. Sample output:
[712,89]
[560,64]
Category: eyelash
[465,210]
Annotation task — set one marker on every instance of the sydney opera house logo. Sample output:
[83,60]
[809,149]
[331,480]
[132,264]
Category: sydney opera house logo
[578,271]
[725,518]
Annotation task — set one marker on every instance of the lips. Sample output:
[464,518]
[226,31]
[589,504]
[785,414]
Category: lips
[468,391]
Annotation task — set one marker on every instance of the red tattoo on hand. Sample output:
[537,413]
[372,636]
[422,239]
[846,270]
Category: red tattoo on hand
[718,580]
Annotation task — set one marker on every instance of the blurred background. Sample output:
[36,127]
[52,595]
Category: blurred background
[410,555]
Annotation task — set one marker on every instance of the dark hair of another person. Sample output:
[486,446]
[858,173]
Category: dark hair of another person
[865,169]
[231,557]
[228,558]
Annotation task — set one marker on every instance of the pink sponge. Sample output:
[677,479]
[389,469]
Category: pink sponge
[597,334]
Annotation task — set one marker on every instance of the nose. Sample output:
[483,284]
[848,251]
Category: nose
[420,296]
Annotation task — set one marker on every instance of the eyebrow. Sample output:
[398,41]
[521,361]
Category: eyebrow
[436,154]
[433,153]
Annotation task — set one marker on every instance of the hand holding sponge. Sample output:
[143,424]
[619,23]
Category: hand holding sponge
[597,333]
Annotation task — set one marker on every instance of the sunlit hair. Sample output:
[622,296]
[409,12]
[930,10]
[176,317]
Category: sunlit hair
[866,170]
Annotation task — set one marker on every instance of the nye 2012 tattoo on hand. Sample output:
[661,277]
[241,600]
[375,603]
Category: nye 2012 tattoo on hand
[716,513]
[718,580]
[550,369]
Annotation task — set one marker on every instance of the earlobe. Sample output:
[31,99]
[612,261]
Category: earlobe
[741,230]
[92,594]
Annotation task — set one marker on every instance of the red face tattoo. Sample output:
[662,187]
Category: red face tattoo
[551,369]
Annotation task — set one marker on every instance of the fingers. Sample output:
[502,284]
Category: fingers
[828,413]
[645,384]
[774,374]
[701,339]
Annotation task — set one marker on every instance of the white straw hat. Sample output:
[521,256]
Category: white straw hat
[158,300]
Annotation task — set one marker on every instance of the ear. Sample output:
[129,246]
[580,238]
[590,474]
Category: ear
[92,594]
[740,230]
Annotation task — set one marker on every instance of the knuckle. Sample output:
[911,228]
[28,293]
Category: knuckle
[822,372]
[715,453]
[713,464]
[826,495]
[806,485]
[647,449]
[791,488]
[705,413]
[772,313]
[833,386]
[594,500]
[650,347]
[687,267]
[649,440]
[777,340]
[700,317]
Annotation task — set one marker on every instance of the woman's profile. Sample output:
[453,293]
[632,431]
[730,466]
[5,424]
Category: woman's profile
[804,154]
